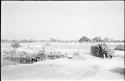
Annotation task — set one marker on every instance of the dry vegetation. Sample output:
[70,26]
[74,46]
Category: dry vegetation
[55,53]
[120,48]
[25,57]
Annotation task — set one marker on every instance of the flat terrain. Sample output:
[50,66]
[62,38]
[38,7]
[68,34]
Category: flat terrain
[83,67]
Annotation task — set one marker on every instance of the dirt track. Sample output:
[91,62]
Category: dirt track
[89,68]
[80,68]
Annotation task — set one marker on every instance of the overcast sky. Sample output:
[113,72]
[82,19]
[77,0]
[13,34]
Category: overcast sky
[64,20]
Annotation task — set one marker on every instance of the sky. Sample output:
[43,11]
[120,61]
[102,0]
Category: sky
[65,20]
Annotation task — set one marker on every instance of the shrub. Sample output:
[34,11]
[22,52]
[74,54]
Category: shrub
[15,45]
[21,57]
[41,55]
[84,39]
[107,52]
[120,48]
[94,50]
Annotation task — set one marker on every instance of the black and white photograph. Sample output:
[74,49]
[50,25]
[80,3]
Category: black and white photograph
[62,40]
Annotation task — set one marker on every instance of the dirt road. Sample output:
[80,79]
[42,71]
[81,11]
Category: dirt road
[89,68]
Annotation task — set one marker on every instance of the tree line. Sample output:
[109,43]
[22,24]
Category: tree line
[80,40]
[98,39]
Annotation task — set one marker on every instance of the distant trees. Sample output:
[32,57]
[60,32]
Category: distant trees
[19,41]
[55,40]
[106,39]
[84,39]
[52,40]
[112,40]
[123,40]
[4,40]
[97,39]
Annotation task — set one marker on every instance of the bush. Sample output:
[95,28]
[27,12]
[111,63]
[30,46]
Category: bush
[84,39]
[41,55]
[75,54]
[20,57]
[120,48]
[95,51]
[15,45]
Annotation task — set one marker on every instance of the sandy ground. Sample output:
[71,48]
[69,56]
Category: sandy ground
[86,68]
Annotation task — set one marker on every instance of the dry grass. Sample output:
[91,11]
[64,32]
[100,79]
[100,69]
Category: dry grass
[23,56]
[120,48]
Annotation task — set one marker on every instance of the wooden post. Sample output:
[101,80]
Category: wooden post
[104,56]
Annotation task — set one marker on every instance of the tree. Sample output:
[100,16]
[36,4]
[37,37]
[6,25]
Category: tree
[112,40]
[106,39]
[52,40]
[97,39]
[84,39]
[123,40]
